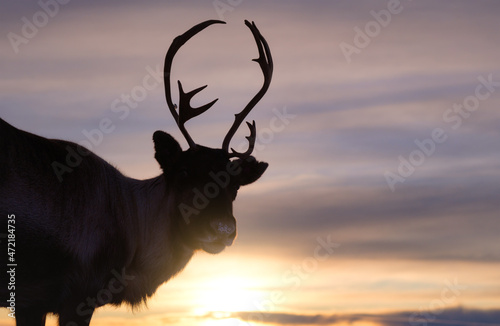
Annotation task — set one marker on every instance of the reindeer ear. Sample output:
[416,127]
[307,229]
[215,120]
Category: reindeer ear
[167,150]
[251,170]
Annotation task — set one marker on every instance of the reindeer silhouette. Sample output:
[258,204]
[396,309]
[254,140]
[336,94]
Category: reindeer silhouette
[99,237]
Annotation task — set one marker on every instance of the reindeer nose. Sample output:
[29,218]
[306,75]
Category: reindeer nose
[224,229]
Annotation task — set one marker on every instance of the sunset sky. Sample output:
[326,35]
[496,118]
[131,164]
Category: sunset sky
[381,205]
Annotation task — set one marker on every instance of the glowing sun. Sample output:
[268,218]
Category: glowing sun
[224,295]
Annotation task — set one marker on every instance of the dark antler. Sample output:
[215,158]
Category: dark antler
[186,111]
[265,61]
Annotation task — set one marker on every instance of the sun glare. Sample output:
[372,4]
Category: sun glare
[224,295]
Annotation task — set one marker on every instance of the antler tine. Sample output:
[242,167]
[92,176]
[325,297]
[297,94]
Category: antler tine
[186,112]
[251,142]
[265,62]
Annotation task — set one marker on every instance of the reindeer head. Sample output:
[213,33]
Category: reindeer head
[204,181]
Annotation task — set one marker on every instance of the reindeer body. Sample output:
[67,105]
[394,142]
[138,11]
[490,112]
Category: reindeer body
[77,235]
[87,235]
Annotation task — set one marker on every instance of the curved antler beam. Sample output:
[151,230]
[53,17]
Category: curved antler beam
[265,62]
[186,111]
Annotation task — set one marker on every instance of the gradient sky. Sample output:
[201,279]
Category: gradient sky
[381,128]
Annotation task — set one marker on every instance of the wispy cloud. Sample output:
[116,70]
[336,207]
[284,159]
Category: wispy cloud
[449,317]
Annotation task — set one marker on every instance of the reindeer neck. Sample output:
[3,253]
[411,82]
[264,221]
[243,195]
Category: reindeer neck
[158,223]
